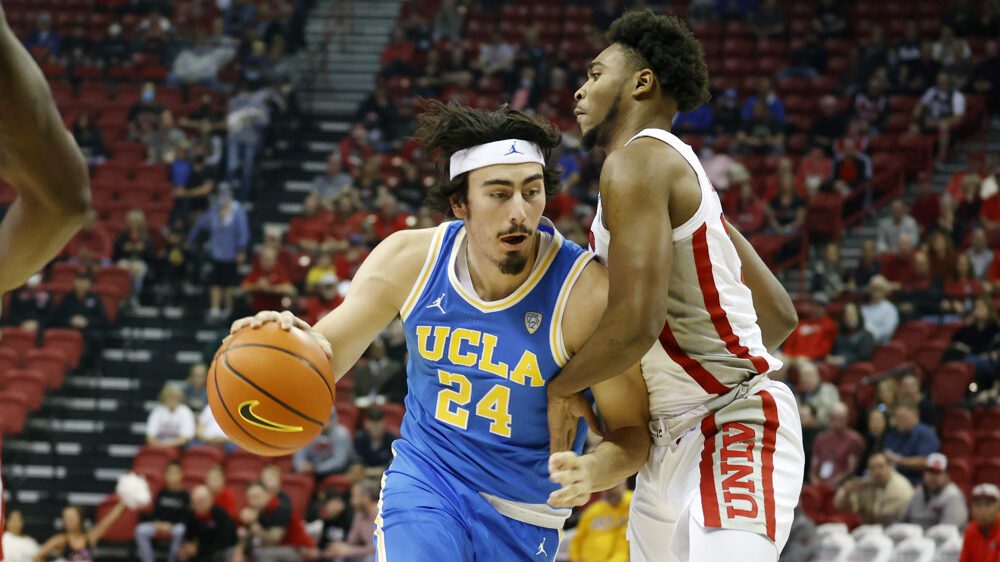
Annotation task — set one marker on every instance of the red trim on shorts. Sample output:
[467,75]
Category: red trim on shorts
[706,280]
[709,501]
[767,457]
[692,367]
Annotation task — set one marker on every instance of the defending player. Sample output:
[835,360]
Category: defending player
[492,306]
[41,161]
[724,474]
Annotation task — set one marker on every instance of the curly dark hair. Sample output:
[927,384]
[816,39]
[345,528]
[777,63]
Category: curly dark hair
[665,45]
[444,129]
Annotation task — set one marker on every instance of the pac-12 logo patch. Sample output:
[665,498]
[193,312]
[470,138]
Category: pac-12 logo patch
[532,321]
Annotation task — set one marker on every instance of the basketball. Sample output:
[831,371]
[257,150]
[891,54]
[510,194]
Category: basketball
[271,390]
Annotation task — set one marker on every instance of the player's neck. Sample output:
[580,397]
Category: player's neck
[490,284]
[635,121]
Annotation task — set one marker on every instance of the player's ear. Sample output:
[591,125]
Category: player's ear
[645,84]
[459,208]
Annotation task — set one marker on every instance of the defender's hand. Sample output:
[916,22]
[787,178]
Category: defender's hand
[564,416]
[286,320]
[572,473]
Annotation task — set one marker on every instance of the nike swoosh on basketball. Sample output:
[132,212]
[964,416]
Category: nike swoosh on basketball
[247,413]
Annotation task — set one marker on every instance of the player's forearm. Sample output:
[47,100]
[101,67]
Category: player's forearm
[618,456]
[38,156]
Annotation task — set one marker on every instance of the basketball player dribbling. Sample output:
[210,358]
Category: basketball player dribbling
[41,161]
[492,304]
[685,293]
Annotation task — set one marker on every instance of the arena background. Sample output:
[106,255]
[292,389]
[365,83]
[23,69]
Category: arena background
[318,97]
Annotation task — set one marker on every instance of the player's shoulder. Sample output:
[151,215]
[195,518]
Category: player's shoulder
[405,244]
[644,163]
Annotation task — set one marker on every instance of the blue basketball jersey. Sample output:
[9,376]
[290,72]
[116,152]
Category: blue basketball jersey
[477,403]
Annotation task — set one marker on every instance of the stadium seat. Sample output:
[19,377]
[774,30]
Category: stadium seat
[958,444]
[889,355]
[111,298]
[942,533]
[284,463]
[242,462]
[114,276]
[154,458]
[347,415]
[853,374]
[63,271]
[988,445]
[987,419]
[951,549]
[13,412]
[949,383]
[32,384]
[197,459]
[928,355]
[18,340]
[834,547]
[914,549]
[339,482]
[50,362]
[9,359]
[393,416]
[123,528]
[956,419]
[988,470]
[913,334]
[66,340]
[900,532]
[299,488]
[960,471]
[154,478]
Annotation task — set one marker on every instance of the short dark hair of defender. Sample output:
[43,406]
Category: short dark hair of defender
[665,45]
[444,129]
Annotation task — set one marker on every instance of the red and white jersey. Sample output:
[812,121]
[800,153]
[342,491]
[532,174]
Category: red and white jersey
[711,342]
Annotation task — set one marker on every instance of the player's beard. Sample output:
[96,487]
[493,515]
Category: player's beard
[514,262]
[600,134]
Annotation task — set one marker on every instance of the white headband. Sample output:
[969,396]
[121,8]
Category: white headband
[510,151]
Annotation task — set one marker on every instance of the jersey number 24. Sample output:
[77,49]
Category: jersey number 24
[452,404]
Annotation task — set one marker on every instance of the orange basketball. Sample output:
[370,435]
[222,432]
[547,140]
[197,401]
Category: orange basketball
[271,390]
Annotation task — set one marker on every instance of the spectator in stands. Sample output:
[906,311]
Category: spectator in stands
[937,500]
[164,139]
[373,444]
[768,21]
[195,395]
[271,478]
[134,250]
[268,284]
[144,114]
[898,222]
[695,122]
[908,392]
[88,137]
[876,426]
[83,310]
[802,541]
[42,41]
[269,530]
[836,451]
[209,532]
[748,213]
[829,125]
[962,288]
[336,515]
[209,432]
[920,291]
[496,57]
[951,52]
[786,211]
[92,246]
[766,94]
[831,19]
[722,170]
[813,391]
[448,21]
[909,442]
[246,118]
[853,343]
[906,54]
[30,305]
[224,497]
[814,170]
[880,496]
[828,276]
[331,452]
[726,113]
[326,297]
[761,133]
[171,423]
[355,148]
[191,198]
[600,533]
[329,185]
[810,429]
[978,342]
[983,532]
[229,234]
[927,206]
[979,254]
[938,111]
[809,60]
[358,545]
[985,78]
[17,546]
[851,169]
[813,337]
[75,542]
[170,511]
[879,314]
[941,254]
[380,379]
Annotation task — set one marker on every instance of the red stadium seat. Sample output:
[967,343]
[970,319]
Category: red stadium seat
[339,482]
[9,361]
[242,462]
[114,276]
[852,374]
[154,458]
[960,471]
[949,383]
[111,298]
[13,412]
[988,445]
[63,271]
[67,341]
[928,355]
[197,460]
[956,419]
[123,528]
[50,362]
[913,334]
[988,470]
[889,355]
[393,416]
[988,419]
[958,444]
[299,489]
[347,415]
[17,340]
[31,384]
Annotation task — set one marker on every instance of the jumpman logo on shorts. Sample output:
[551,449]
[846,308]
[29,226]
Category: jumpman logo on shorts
[541,549]
[437,304]
[513,150]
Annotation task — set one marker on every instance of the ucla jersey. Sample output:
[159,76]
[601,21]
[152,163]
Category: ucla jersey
[477,404]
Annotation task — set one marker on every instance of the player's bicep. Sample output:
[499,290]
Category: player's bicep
[623,400]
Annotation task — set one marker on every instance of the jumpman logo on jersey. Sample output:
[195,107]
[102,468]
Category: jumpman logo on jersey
[437,304]
[514,150]
[541,549]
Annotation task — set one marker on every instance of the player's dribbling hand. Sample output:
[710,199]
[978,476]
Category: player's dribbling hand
[286,320]
[572,473]
[564,417]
